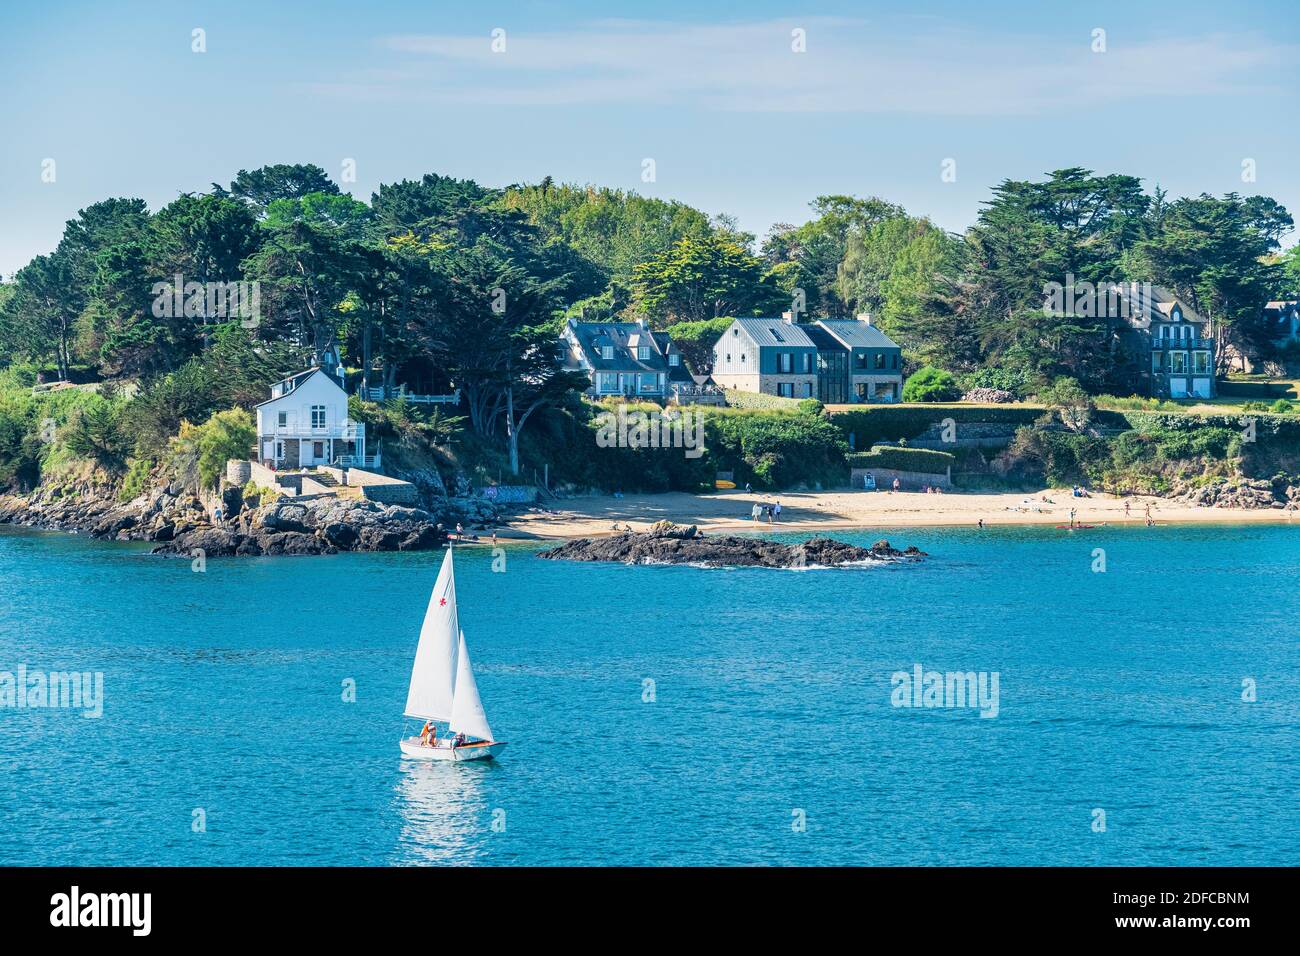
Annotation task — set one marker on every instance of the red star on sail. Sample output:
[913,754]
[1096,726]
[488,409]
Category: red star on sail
[442,602]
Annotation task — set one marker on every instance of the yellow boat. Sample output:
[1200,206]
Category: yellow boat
[724,484]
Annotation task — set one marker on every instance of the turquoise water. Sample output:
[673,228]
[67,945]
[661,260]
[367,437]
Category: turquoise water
[224,693]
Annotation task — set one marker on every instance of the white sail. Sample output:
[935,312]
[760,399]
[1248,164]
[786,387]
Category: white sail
[433,676]
[467,716]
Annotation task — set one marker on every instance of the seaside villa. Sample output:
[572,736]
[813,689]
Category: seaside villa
[305,423]
[628,359]
[839,361]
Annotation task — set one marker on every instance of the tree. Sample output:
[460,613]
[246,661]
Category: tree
[930,384]
[1214,253]
[706,278]
[1070,402]
[283,181]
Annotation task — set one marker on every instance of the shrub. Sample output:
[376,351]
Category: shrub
[930,384]
[1281,407]
[136,481]
[198,455]
[811,406]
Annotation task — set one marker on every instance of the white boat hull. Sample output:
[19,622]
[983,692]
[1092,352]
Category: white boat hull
[413,748]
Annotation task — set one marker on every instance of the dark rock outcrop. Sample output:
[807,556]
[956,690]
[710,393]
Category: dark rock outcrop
[674,545]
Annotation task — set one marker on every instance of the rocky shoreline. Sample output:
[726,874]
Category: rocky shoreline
[180,524]
[670,544]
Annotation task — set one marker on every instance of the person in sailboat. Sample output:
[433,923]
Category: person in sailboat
[460,740]
[429,735]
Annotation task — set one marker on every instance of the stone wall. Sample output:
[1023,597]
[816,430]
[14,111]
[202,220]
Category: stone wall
[907,480]
[511,494]
[382,488]
[239,472]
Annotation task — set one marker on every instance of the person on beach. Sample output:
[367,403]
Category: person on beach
[756,512]
[1126,508]
[494,537]
[748,489]
[776,511]
[460,532]
[981,524]
[897,484]
[767,510]
[1072,513]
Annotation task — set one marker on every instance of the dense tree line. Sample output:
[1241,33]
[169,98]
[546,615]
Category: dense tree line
[442,281]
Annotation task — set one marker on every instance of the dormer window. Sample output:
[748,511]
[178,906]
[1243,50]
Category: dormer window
[674,359]
[643,352]
[607,352]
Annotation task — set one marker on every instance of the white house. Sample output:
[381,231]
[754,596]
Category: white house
[305,422]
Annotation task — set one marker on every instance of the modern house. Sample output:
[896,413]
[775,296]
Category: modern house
[838,361]
[626,358]
[305,423]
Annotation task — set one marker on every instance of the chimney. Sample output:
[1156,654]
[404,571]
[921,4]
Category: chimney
[788,318]
[864,317]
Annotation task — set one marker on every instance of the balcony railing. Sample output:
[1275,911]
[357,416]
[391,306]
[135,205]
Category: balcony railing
[382,394]
[1180,345]
[347,431]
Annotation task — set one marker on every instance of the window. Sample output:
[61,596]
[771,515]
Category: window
[862,391]
[807,363]
[860,360]
[784,362]
[282,419]
[279,451]
[607,382]
[894,363]
[742,358]
[318,416]
[880,360]
[607,352]
[318,449]
[1177,362]
[1200,361]
[674,359]
[785,389]
[1157,361]
[807,389]
[649,382]
[643,352]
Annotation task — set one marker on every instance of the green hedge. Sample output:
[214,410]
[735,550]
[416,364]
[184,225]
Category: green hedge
[903,459]
[880,423]
[761,401]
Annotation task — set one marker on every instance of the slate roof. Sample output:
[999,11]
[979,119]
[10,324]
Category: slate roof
[775,332]
[624,337]
[856,334]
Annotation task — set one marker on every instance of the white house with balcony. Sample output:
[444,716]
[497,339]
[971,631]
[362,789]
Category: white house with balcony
[305,423]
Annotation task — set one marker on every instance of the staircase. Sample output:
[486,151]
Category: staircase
[324,478]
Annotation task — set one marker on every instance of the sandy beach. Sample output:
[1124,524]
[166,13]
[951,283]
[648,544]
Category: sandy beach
[825,511]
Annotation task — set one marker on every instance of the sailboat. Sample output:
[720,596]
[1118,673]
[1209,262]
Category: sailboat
[442,684]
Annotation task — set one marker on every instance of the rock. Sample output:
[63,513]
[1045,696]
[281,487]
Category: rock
[674,545]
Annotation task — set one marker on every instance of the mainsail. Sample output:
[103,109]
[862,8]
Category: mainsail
[433,676]
[467,716]
[442,680]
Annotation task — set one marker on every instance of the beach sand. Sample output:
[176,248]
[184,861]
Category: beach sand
[829,510]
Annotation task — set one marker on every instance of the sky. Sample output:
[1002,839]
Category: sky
[883,99]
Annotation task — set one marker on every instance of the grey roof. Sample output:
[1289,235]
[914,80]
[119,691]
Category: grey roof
[856,334]
[624,337]
[823,339]
[293,381]
[775,332]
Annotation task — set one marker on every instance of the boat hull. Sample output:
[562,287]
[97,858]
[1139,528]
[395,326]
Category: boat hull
[411,747]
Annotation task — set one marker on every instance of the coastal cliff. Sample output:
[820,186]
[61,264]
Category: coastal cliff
[180,523]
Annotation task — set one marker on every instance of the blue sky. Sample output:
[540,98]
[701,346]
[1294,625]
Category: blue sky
[735,121]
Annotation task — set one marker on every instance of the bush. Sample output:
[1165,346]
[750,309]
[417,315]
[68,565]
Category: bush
[1281,407]
[811,406]
[198,455]
[136,481]
[930,384]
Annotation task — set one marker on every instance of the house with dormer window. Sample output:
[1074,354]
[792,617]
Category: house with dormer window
[839,361]
[622,358]
[305,423]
